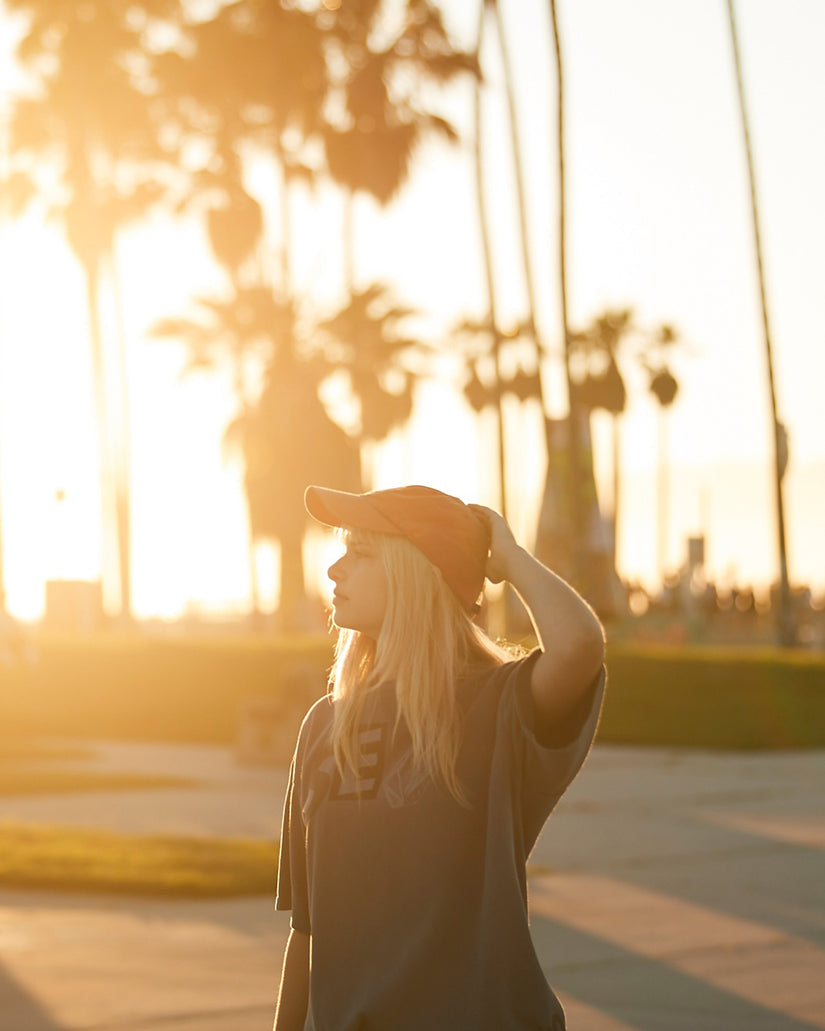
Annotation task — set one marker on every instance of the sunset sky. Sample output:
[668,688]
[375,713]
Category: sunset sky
[659,220]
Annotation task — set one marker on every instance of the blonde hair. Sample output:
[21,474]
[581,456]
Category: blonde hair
[426,643]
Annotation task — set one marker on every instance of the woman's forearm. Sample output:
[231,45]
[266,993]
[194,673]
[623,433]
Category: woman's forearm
[568,630]
[293,996]
[557,611]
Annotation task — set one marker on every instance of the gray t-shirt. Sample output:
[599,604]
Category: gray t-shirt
[417,905]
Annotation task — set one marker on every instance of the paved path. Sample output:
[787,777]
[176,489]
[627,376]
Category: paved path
[671,891]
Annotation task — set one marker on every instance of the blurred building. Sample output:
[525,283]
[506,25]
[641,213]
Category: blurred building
[74,605]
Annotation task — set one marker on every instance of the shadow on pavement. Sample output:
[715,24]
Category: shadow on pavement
[641,993]
[749,876]
[19,1011]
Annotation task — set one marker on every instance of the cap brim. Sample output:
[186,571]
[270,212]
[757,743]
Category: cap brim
[352,511]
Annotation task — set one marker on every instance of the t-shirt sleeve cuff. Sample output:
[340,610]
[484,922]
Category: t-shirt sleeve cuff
[299,924]
[580,723]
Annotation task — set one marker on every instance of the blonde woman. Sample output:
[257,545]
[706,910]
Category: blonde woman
[420,784]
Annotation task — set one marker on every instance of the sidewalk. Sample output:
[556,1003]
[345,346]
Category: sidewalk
[671,891]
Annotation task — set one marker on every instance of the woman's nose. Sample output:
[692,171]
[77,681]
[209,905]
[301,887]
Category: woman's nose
[334,571]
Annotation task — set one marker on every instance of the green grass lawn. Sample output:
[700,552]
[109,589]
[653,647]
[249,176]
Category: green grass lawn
[93,861]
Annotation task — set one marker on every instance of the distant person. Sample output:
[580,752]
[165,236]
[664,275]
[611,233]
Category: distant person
[421,783]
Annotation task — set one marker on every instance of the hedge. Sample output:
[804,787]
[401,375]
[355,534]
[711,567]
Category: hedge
[744,698]
[196,690]
[189,690]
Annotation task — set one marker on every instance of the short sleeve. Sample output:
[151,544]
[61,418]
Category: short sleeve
[546,765]
[292,864]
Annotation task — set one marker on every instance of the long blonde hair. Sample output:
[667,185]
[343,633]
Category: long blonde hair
[427,642]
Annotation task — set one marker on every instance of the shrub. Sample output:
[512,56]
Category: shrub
[196,690]
[184,690]
[715,698]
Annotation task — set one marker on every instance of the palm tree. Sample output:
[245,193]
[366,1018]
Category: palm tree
[664,387]
[378,112]
[291,352]
[287,440]
[251,78]
[5,210]
[89,120]
[785,620]
[571,510]
[282,430]
[365,339]
[492,327]
[378,116]
[603,386]
[521,192]
[577,461]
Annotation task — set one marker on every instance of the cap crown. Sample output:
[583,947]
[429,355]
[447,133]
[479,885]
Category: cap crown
[442,527]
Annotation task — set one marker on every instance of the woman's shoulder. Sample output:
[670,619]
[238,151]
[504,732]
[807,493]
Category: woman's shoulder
[317,719]
[492,676]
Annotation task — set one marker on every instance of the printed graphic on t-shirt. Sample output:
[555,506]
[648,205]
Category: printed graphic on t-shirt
[386,770]
[365,783]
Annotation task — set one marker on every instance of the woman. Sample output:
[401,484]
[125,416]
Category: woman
[420,784]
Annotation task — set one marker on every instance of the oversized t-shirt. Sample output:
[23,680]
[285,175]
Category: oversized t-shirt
[417,904]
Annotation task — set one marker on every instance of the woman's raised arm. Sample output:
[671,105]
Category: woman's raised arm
[568,630]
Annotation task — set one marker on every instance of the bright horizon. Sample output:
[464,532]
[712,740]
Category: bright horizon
[658,220]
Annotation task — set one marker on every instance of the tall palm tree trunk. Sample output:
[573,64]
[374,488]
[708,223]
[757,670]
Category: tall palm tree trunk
[662,495]
[366,451]
[785,623]
[616,444]
[122,458]
[488,265]
[286,219]
[348,238]
[521,192]
[292,582]
[3,610]
[4,170]
[575,471]
[109,533]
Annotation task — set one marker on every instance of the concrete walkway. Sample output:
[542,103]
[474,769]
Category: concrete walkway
[671,891]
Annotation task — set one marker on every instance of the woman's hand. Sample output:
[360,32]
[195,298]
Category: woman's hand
[568,631]
[503,545]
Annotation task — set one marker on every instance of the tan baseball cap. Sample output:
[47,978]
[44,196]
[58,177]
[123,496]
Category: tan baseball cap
[445,530]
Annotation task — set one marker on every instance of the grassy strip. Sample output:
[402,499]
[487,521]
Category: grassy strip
[93,861]
[17,749]
[15,780]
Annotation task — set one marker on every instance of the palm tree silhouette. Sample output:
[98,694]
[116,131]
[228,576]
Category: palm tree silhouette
[521,193]
[599,344]
[89,120]
[5,211]
[377,110]
[564,512]
[282,430]
[577,472]
[664,387]
[250,78]
[365,340]
[378,113]
[491,328]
